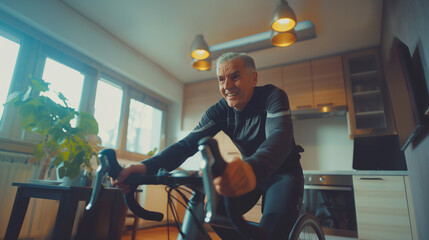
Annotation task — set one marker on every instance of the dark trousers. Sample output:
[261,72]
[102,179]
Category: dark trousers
[282,198]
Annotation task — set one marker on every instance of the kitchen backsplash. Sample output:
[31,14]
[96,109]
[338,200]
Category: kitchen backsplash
[326,142]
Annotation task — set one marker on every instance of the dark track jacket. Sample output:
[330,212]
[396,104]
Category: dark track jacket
[262,132]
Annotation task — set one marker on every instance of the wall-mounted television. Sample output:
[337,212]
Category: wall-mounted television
[408,91]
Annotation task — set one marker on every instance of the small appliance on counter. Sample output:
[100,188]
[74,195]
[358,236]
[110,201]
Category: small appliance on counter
[378,153]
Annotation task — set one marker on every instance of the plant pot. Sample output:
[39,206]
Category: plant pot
[67,181]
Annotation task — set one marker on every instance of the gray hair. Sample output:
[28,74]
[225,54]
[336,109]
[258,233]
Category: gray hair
[248,61]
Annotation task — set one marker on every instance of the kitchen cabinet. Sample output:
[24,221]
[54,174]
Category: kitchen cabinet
[369,109]
[328,82]
[298,84]
[197,98]
[383,207]
[315,84]
[270,76]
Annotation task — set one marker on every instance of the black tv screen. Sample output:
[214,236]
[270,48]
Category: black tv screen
[408,92]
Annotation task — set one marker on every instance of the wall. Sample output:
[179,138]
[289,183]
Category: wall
[65,25]
[408,20]
[326,143]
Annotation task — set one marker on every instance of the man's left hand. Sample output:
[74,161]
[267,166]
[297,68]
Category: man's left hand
[237,179]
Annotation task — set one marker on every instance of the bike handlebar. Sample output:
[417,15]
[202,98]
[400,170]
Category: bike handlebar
[109,165]
[213,166]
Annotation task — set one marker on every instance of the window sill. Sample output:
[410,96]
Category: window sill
[16,146]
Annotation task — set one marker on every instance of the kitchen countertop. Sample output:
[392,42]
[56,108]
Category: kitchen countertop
[358,172]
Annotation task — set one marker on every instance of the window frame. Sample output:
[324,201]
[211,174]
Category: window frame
[9,129]
[110,80]
[6,122]
[35,47]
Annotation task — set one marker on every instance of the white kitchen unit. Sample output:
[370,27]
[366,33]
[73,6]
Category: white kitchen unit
[384,207]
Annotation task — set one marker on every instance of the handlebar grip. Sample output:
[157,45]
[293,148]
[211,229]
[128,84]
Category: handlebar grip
[113,166]
[218,165]
[109,164]
[135,207]
[213,167]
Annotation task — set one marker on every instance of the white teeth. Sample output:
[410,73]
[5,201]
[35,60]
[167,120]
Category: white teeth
[231,94]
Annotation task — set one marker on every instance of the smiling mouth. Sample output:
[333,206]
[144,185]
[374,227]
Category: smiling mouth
[231,94]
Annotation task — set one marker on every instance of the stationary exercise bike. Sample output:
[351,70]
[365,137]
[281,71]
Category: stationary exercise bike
[198,211]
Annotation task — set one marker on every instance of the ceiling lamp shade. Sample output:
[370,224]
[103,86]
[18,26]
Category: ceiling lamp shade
[284,18]
[201,65]
[283,39]
[199,48]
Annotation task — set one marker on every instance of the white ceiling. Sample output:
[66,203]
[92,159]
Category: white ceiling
[163,30]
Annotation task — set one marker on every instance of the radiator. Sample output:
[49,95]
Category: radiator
[16,167]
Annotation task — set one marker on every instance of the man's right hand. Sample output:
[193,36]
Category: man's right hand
[134,168]
[237,179]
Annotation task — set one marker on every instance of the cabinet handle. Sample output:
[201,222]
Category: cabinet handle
[335,188]
[371,178]
[304,106]
[325,104]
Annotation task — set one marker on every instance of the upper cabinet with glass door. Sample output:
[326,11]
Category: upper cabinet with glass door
[368,106]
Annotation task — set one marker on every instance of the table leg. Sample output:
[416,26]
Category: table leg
[117,217]
[65,216]
[17,215]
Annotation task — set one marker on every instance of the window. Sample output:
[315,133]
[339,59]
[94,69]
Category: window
[108,103]
[129,118]
[9,53]
[144,127]
[63,79]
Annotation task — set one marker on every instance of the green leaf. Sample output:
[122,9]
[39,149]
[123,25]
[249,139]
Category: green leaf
[63,98]
[27,94]
[87,124]
[67,145]
[151,153]
[14,97]
[40,85]
[61,157]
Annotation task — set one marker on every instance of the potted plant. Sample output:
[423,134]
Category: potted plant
[65,145]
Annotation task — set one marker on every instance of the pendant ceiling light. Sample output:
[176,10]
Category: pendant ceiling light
[201,65]
[199,48]
[284,18]
[283,39]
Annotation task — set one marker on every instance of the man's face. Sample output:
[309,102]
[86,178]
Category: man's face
[236,83]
